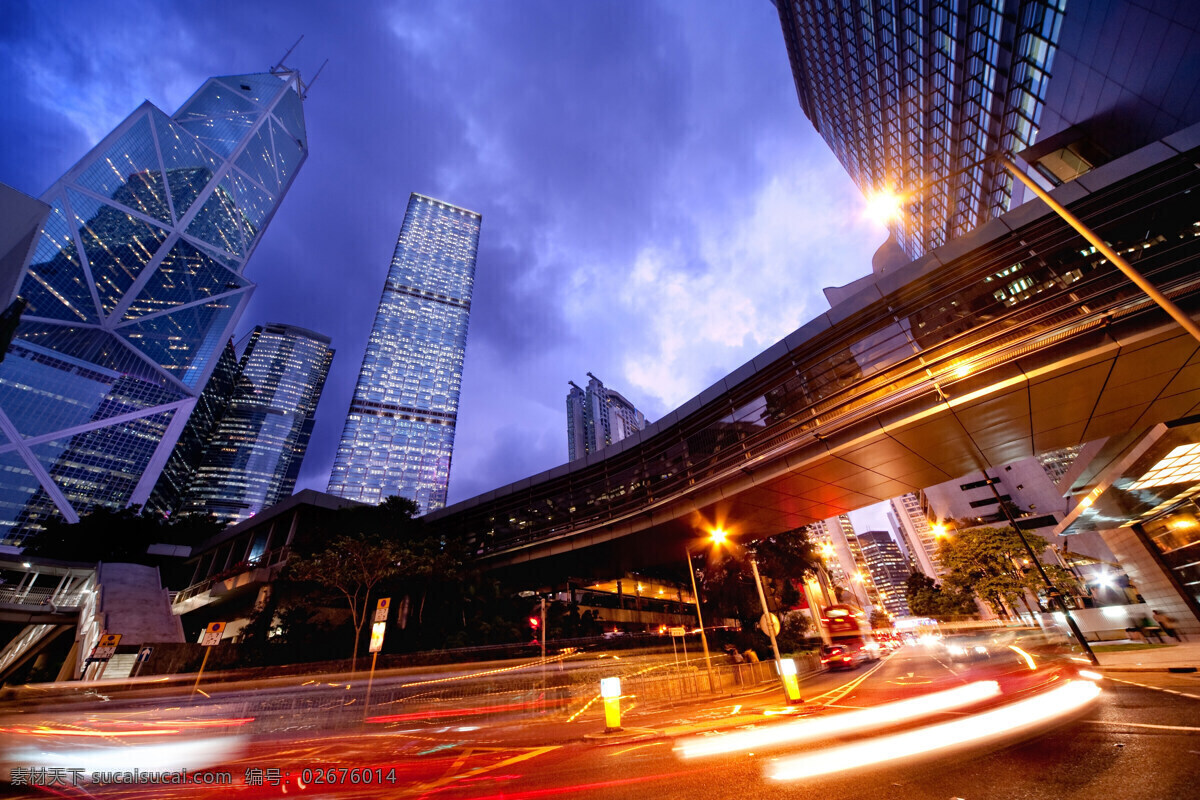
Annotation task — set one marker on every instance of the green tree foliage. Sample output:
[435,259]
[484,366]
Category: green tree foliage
[117,536]
[927,599]
[993,564]
[351,565]
[728,582]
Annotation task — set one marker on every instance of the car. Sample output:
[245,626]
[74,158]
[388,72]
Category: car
[964,647]
[843,656]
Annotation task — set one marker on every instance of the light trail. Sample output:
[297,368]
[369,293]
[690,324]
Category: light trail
[1023,715]
[838,724]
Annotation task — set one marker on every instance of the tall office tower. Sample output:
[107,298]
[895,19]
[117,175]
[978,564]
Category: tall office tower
[133,286]
[169,492]
[254,453]
[836,541]
[598,417]
[888,568]
[911,523]
[918,96]
[399,433]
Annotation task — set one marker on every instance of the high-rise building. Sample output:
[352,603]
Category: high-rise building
[399,433]
[168,494]
[133,286]
[889,570]
[253,454]
[838,546]
[597,417]
[912,525]
[918,97]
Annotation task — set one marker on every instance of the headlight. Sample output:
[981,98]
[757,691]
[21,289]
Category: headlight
[956,650]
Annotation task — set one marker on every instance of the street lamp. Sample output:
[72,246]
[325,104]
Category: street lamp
[716,536]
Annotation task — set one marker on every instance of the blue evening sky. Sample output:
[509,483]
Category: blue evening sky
[656,208]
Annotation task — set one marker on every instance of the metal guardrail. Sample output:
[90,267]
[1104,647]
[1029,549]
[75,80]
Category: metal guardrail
[38,596]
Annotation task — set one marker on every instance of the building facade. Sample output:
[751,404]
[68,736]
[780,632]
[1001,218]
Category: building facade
[253,455]
[597,417]
[910,522]
[889,570]
[133,286]
[918,97]
[399,433]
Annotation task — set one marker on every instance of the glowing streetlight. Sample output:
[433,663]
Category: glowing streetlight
[939,530]
[718,535]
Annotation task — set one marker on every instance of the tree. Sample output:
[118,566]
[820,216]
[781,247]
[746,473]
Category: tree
[928,599]
[994,564]
[352,564]
[120,535]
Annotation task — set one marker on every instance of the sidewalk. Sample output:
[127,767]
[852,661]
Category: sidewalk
[1173,657]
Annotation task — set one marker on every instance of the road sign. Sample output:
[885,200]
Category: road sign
[382,608]
[144,653]
[212,634]
[377,631]
[106,648]
[769,624]
[679,631]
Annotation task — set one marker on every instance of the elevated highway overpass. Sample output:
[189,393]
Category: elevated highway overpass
[1015,340]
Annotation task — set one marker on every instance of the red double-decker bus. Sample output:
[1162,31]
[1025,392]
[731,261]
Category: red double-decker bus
[849,629]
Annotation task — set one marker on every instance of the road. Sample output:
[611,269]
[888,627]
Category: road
[1141,739]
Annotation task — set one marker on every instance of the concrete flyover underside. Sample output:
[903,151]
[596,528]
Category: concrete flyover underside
[1015,340]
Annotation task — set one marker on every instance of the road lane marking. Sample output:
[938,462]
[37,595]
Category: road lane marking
[1154,688]
[635,747]
[1145,725]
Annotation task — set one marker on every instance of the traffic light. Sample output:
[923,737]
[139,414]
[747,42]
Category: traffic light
[534,623]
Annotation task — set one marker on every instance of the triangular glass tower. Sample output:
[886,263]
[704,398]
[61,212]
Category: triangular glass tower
[132,288]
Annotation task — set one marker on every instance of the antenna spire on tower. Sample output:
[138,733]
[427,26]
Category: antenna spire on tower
[279,66]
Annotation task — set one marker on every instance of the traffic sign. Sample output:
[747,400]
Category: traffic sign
[381,609]
[212,634]
[678,631]
[144,653]
[106,648]
[769,624]
[377,631]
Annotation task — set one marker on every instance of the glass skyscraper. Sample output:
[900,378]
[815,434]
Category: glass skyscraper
[916,93]
[133,287]
[399,433]
[918,96]
[255,450]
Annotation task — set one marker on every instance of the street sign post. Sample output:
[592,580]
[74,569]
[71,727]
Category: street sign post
[382,608]
[769,624]
[208,640]
[142,657]
[106,648]
[378,629]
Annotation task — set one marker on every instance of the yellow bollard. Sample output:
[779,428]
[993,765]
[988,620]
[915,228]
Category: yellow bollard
[791,685]
[610,690]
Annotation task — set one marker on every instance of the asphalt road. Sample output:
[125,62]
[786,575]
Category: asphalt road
[1141,739]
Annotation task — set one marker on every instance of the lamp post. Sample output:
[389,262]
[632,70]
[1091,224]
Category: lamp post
[687,554]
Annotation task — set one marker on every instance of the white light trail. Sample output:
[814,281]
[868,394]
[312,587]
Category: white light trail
[850,721]
[1023,715]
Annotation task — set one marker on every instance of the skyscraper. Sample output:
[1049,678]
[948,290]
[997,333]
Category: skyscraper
[911,523]
[919,97]
[888,569]
[253,454]
[133,286]
[597,417]
[399,433]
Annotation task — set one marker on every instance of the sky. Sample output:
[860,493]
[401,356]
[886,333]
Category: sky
[657,210]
